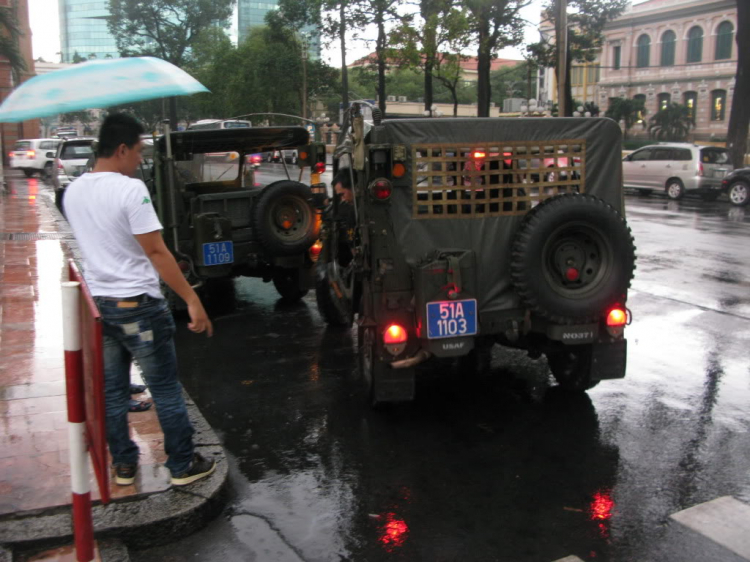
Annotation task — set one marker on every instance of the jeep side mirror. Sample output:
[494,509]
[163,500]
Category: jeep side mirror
[50,155]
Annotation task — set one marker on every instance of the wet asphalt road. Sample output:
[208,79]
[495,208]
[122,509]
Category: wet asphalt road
[500,468]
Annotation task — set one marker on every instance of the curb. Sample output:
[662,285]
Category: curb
[139,521]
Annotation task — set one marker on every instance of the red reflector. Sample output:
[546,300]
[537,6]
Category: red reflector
[394,334]
[381,189]
[617,317]
[572,274]
[184,266]
[479,154]
[320,167]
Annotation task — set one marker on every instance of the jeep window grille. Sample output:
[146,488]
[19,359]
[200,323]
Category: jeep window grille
[487,180]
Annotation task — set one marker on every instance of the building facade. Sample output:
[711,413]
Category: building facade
[83,30]
[682,51]
[251,13]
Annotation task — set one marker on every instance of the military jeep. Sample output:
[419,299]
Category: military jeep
[219,223]
[466,233]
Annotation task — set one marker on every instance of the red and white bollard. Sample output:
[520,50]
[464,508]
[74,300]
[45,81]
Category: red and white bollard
[83,527]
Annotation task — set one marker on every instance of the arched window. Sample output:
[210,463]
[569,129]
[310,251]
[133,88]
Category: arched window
[691,99]
[644,51]
[724,39]
[718,105]
[668,42]
[695,44]
[663,101]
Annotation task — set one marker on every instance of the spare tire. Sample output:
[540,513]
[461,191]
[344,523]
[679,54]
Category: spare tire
[283,219]
[573,258]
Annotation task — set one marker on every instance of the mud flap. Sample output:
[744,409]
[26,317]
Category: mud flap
[392,385]
[608,360]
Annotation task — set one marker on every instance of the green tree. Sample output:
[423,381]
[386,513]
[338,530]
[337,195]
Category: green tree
[672,123]
[494,24]
[629,111]
[513,82]
[9,44]
[167,29]
[586,22]
[739,115]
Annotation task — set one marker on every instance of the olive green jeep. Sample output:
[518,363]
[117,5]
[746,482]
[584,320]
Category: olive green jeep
[466,233]
[219,223]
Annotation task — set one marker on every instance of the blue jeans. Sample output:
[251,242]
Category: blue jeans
[145,333]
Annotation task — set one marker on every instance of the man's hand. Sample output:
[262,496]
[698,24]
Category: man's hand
[199,321]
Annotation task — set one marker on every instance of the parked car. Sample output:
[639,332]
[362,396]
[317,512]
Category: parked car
[70,162]
[30,155]
[677,169]
[737,186]
[452,244]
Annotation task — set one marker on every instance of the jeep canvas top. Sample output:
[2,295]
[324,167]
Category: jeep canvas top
[471,232]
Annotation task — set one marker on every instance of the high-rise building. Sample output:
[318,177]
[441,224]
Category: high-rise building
[252,14]
[83,30]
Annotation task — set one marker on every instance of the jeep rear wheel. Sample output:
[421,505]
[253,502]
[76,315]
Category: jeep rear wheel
[284,220]
[572,368]
[573,257]
[286,282]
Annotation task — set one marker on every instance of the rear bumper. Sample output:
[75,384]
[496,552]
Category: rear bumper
[702,185]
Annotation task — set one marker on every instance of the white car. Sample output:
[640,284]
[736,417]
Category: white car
[30,155]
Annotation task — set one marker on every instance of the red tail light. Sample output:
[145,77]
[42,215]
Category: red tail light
[30,153]
[320,167]
[59,165]
[381,189]
[315,250]
[617,317]
[478,154]
[700,169]
[394,334]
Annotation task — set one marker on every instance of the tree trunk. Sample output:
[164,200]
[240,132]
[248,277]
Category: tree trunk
[739,116]
[484,64]
[344,70]
[380,51]
[568,88]
[428,84]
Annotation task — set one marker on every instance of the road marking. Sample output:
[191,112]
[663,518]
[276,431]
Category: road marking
[570,558]
[725,520]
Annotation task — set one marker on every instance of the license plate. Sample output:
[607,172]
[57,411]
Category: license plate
[218,253]
[720,173]
[450,319]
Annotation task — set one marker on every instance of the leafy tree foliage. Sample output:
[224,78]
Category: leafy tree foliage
[513,82]
[494,24]
[673,123]
[586,20]
[629,111]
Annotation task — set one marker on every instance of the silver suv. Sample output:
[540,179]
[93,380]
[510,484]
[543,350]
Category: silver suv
[70,162]
[677,168]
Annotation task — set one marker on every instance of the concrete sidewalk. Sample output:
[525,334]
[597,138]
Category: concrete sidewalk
[35,511]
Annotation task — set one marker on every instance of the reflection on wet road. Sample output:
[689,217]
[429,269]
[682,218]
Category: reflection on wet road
[502,467]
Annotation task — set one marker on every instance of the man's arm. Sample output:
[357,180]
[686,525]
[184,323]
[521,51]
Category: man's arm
[165,264]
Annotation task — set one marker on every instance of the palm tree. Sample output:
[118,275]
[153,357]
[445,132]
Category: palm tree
[673,123]
[629,111]
[9,44]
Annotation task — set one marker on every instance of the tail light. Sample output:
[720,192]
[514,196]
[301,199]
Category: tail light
[700,169]
[381,189]
[399,170]
[478,154]
[59,165]
[30,153]
[315,250]
[320,167]
[617,318]
[394,338]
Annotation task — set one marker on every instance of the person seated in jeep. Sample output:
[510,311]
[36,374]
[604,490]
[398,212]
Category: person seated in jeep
[342,185]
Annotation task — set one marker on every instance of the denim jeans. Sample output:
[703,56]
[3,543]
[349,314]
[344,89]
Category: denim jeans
[145,333]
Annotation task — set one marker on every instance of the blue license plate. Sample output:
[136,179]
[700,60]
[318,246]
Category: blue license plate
[450,319]
[218,253]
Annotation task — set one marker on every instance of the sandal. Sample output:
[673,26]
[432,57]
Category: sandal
[138,406]
[137,388]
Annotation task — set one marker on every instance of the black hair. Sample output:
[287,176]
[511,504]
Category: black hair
[117,129]
[343,176]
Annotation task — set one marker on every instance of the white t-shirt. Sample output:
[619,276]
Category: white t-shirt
[105,210]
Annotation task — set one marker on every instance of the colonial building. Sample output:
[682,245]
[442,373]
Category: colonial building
[681,51]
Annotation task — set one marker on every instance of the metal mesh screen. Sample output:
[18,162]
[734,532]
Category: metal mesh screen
[486,180]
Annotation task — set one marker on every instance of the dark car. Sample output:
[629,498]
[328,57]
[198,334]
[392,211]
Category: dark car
[219,223]
[737,186]
[460,237]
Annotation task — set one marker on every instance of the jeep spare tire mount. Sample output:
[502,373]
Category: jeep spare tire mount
[283,219]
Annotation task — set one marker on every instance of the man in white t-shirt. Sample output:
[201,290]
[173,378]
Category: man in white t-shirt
[124,254]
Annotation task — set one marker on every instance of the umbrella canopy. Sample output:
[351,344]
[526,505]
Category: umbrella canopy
[97,84]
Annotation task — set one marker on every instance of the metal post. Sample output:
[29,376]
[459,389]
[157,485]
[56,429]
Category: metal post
[83,527]
[171,188]
[561,38]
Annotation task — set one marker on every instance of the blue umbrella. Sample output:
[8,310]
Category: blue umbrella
[97,84]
